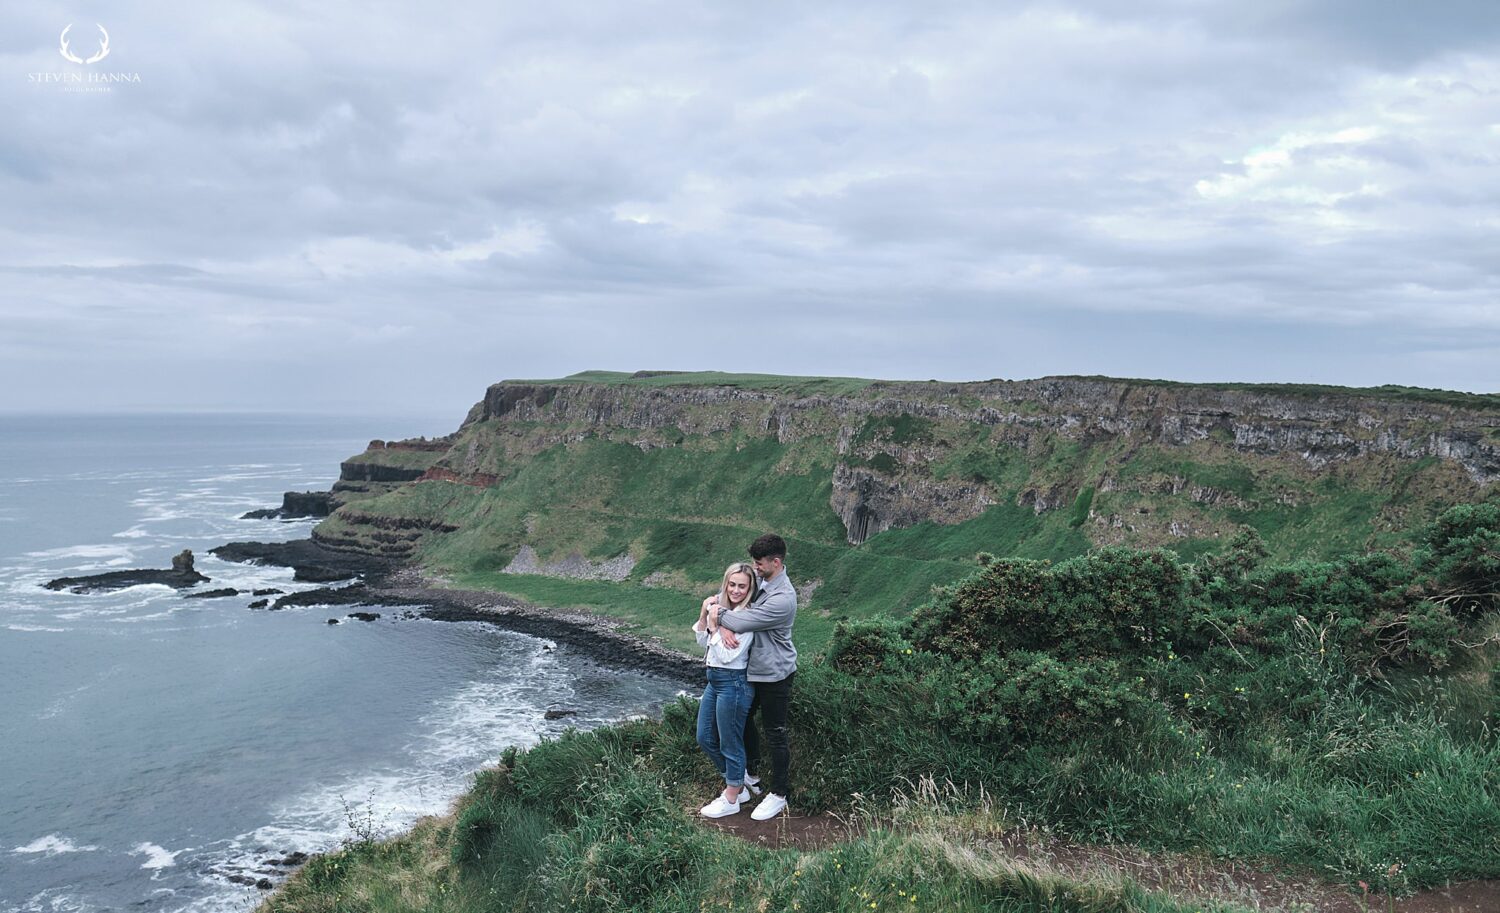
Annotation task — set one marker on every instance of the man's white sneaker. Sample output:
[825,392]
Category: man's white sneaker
[769,807]
[719,808]
[753,782]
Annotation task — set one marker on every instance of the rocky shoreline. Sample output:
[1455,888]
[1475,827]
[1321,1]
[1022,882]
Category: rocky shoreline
[383,583]
[378,582]
[594,636]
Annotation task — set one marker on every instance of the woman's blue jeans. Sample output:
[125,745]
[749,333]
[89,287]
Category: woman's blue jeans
[721,722]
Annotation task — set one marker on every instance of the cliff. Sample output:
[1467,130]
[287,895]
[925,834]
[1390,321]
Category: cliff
[657,477]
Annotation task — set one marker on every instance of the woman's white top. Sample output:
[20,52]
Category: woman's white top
[720,656]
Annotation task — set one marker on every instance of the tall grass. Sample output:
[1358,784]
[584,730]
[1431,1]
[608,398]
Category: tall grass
[588,823]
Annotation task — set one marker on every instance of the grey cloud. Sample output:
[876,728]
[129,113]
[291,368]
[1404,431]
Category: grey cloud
[294,189]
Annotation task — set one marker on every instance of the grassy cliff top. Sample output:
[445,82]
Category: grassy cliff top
[778,383]
[843,386]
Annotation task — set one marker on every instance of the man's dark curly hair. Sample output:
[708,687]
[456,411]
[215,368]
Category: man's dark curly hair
[768,546]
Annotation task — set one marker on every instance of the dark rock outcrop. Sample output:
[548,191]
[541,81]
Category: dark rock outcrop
[314,574]
[298,504]
[212,594]
[303,556]
[181,576]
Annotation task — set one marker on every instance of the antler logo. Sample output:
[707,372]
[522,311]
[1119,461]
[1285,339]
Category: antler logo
[103,46]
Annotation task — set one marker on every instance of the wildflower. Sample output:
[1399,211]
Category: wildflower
[1187,695]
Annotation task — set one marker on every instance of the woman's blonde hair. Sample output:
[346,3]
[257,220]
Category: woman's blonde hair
[739,567]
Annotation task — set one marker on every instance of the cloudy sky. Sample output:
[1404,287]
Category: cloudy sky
[387,206]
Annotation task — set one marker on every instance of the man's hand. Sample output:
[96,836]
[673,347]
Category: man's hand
[727,638]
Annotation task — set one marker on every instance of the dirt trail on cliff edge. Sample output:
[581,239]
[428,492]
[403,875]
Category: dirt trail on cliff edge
[1183,876]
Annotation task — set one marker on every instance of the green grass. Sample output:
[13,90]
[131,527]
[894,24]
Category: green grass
[1273,744]
[1332,518]
[588,823]
[1384,391]
[1229,475]
[850,385]
[664,614]
[803,386]
[602,821]
[1003,529]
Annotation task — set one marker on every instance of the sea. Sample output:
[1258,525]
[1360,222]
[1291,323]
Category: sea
[154,749]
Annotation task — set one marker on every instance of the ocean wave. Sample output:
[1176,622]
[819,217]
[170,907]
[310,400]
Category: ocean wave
[37,629]
[54,845]
[157,857]
[83,551]
[54,900]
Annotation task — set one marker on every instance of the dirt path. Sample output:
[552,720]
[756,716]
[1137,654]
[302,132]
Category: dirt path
[1181,875]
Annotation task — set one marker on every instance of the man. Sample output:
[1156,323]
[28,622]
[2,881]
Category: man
[773,664]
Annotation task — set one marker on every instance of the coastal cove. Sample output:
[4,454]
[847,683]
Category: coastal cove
[167,753]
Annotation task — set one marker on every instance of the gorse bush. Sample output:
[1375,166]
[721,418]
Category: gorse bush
[1462,556]
[1027,650]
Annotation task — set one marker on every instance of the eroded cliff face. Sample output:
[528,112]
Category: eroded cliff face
[893,445]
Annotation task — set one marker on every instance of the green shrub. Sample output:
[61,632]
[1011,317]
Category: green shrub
[869,646]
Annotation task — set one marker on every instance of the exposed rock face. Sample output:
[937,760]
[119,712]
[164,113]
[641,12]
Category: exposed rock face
[395,538]
[575,566]
[897,454]
[377,472]
[871,502]
[888,484]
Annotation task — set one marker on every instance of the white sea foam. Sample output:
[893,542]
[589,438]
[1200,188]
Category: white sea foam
[53,845]
[83,551]
[157,857]
[227,898]
[134,619]
[58,706]
[54,900]
[37,629]
[463,733]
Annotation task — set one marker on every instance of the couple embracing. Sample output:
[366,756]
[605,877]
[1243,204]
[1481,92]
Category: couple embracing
[747,630]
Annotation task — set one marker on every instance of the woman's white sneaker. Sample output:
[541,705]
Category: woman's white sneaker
[769,807]
[719,808]
[753,783]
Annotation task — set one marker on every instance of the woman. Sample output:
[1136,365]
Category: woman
[726,700]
